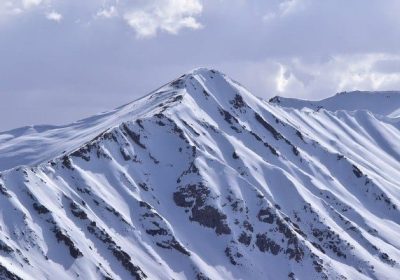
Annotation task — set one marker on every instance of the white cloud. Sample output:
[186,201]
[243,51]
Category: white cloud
[30,3]
[304,79]
[282,79]
[316,79]
[144,24]
[361,72]
[146,17]
[285,8]
[13,7]
[167,15]
[8,8]
[109,12]
[54,16]
[291,6]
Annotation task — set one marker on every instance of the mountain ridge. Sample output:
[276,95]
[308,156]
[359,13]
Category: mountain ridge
[384,103]
[202,180]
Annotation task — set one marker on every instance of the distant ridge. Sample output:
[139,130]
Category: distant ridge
[385,103]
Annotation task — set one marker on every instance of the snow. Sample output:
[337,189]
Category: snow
[202,179]
[384,103]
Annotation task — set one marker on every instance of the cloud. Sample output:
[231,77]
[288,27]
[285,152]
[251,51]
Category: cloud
[30,3]
[316,79]
[146,17]
[54,16]
[282,78]
[8,8]
[166,15]
[291,6]
[109,12]
[285,8]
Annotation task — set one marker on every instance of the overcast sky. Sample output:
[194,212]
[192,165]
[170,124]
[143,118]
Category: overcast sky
[61,60]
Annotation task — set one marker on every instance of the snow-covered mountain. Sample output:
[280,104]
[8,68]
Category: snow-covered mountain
[202,180]
[383,103]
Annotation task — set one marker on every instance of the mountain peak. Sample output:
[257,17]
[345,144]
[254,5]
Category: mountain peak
[206,83]
[205,71]
[184,80]
[198,85]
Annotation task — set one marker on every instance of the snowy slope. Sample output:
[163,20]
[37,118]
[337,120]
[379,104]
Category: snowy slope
[202,180]
[384,103]
[35,144]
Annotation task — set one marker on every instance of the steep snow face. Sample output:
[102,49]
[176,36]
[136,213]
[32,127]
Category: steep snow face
[35,144]
[202,180]
[386,103]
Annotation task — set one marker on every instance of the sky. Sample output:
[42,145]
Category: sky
[63,60]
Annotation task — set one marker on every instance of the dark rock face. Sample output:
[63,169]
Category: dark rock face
[330,240]
[157,227]
[274,99]
[201,276]
[210,217]
[135,137]
[82,153]
[118,253]
[61,237]
[125,260]
[280,229]
[238,102]
[190,128]
[228,116]
[77,211]
[300,135]
[259,139]
[125,154]
[266,244]
[245,238]
[191,194]
[266,216]
[232,255]
[143,186]
[235,156]
[268,127]
[41,209]
[179,83]
[5,248]
[194,196]
[295,151]
[8,275]
[276,134]
[357,171]
[66,161]
[385,258]
[3,191]
[192,169]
